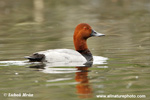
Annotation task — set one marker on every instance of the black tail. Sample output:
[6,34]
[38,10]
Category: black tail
[36,57]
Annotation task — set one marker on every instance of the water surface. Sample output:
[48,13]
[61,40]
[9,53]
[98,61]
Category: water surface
[34,25]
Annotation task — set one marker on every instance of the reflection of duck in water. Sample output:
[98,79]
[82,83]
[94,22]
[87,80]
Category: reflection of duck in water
[83,88]
[82,54]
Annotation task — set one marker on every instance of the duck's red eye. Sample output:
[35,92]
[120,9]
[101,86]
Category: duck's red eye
[85,27]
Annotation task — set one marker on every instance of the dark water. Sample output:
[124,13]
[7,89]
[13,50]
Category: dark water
[27,26]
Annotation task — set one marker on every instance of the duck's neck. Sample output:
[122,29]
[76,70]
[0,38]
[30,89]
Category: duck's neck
[81,47]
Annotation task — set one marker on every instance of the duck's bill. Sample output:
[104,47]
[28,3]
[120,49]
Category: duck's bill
[94,33]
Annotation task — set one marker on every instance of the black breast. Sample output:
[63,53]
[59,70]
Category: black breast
[87,54]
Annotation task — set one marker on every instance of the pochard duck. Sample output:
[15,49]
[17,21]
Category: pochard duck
[81,53]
